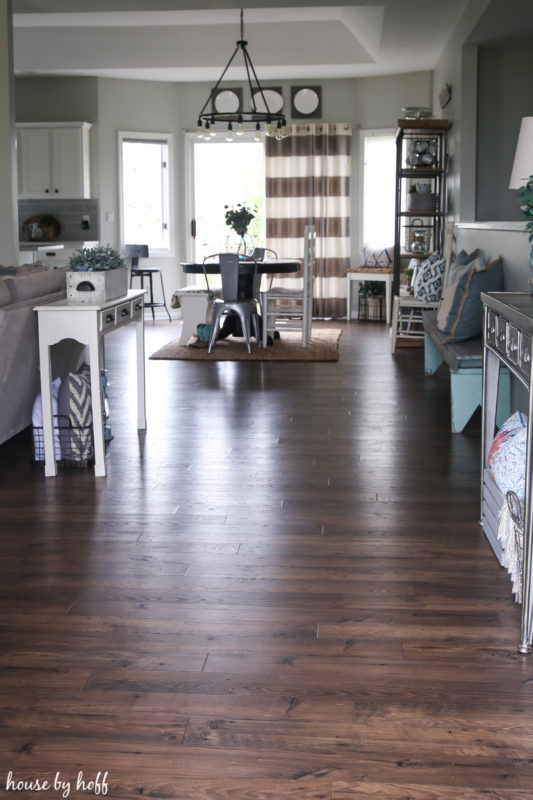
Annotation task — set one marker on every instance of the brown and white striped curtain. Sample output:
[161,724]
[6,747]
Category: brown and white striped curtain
[308,182]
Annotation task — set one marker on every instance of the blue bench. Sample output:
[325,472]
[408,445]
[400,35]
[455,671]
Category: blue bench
[465,362]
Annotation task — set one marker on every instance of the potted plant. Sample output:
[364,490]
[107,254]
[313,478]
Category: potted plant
[525,199]
[108,278]
[238,219]
[371,300]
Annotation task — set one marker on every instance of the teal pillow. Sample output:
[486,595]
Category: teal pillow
[465,317]
[8,271]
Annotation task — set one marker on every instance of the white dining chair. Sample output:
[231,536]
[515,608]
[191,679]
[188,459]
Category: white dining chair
[292,309]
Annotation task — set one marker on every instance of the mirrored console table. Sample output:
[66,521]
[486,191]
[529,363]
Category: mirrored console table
[507,337]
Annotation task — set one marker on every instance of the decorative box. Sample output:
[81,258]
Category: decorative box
[97,287]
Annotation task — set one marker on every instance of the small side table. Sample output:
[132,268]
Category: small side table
[360,274]
[88,323]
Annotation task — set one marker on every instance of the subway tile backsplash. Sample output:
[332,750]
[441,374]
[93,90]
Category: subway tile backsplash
[68,213]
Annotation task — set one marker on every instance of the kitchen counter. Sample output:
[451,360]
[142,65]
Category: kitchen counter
[51,253]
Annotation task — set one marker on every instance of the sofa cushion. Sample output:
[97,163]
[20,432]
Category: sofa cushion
[37,284]
[5,294]
[464,319]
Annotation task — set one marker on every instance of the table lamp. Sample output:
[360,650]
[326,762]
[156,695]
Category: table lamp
[522,178]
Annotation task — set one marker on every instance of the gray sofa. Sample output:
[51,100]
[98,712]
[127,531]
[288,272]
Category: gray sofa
[30,285]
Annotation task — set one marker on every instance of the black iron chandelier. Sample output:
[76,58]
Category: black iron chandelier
[276,124]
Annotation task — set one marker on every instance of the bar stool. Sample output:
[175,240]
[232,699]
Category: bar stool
[135,252]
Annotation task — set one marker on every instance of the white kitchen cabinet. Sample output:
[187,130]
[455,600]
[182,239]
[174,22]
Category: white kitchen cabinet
[53,159]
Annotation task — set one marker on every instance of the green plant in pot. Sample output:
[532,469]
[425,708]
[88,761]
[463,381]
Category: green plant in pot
[371,289]
[525,200]
[238,219]
[96,259]
[96,274]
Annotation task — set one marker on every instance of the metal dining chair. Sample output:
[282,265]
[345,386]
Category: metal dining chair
[244,307]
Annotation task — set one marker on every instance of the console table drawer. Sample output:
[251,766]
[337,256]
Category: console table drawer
[108,319]
[524,364]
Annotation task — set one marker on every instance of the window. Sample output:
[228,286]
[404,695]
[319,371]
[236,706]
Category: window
[379,170]
[145,190]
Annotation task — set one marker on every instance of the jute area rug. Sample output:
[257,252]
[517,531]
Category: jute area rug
[324,346]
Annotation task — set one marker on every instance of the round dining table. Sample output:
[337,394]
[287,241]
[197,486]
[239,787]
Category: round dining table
[247,267]
[268,266]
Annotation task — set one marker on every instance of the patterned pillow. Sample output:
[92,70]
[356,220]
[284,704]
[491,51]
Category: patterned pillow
[377,258]
[507,455]
[465,316]
[428,282]
[75,415]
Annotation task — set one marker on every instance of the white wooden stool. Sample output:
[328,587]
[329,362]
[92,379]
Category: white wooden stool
[194,301]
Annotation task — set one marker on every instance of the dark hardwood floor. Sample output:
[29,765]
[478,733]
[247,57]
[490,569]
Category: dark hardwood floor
[280,591]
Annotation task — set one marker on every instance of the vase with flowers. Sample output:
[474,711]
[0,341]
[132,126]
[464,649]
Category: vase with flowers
[238,219]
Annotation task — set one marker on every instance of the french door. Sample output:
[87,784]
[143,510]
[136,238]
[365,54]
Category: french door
[223,174]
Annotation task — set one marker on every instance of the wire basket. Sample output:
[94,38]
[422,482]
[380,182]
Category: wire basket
[74,446]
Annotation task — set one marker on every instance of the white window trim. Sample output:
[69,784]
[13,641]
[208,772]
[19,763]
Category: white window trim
[364,134]
[169,141]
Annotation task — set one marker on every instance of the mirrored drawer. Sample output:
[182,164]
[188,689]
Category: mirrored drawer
[525,354]
[492,327]
[501,335]
[512,347]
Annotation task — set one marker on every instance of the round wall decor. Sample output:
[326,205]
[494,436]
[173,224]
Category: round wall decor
[306,101]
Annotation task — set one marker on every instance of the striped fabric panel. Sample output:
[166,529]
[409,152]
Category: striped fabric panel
[308,181]
[278,186]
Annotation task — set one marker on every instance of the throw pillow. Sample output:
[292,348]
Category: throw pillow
[37,284]
[464,261]
[428,282]
[507,455]
[510,428]
[443,311]
[377,258]
[465,317]
[75,415]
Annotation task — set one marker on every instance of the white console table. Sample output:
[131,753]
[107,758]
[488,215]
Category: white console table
[88,323]
[508,338]
[360,274]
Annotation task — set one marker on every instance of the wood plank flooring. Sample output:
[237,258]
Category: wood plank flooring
[279,592]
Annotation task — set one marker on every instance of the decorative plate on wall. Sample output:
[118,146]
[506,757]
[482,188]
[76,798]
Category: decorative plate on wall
[227,101]
[273,98]
[306,101]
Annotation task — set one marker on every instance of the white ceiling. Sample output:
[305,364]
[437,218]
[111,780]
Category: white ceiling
[176,40]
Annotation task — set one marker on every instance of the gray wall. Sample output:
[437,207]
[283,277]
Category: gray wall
[505,95]
[148,106]
[457,66]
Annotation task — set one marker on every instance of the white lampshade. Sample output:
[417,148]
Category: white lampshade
[523,159]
